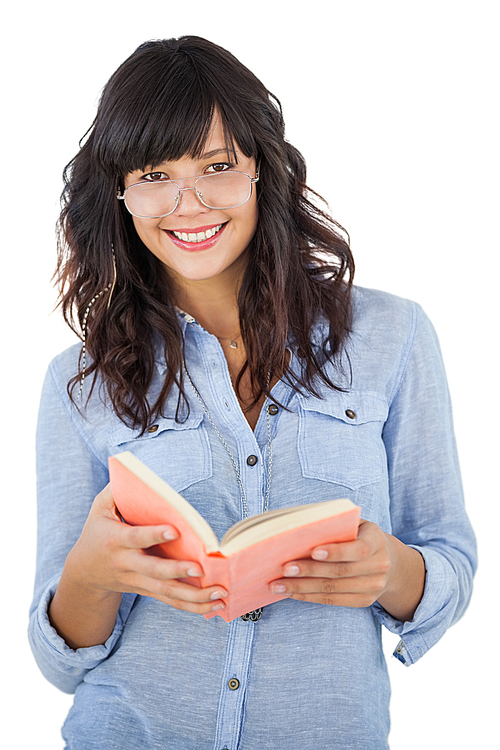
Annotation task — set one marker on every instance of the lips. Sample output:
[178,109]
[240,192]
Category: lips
[196,238]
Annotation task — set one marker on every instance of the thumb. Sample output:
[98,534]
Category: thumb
[104,505]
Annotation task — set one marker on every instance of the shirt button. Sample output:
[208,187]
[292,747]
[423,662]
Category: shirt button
[273,409]
[350,413]
[252,460]
[153,428]
[233,684]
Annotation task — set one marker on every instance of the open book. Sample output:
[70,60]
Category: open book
[250,555]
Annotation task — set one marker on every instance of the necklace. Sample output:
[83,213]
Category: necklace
[232,342]
[257,613]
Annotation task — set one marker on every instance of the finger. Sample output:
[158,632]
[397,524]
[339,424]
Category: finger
[359,549]
[104,505]
[105,498]
[337,600]
[369,586]
[202,608]
[143,537]
[178,591]
[160,568]
[313,569]
[182,596]
[140,537]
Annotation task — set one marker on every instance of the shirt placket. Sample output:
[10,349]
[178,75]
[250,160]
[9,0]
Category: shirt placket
[250,461]
[230,713]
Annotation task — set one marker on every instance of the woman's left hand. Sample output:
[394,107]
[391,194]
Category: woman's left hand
[374,567]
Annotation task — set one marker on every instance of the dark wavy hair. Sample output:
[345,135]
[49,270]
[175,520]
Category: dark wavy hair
[159,106]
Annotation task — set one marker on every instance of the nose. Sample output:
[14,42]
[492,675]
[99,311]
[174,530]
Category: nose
[189,203]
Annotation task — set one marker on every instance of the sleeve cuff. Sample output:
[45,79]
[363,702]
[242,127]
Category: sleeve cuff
[55,656]
[434,614]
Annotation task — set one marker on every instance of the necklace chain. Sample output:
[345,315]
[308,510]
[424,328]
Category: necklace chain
[256,614]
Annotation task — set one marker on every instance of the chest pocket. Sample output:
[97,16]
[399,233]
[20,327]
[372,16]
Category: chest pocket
[340,438]
[178,452]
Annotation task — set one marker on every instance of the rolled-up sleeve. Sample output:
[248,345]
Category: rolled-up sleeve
[427,504]
[69,476]
[59,663]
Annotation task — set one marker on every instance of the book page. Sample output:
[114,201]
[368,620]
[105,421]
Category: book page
[265,525]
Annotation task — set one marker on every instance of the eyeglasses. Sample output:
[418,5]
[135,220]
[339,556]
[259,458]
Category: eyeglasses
[222,190]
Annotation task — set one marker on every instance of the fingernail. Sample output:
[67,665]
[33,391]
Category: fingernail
[169,535]
[291,570]
[278,588]
[218,606]
[218,595]
[194,573]
[319,554]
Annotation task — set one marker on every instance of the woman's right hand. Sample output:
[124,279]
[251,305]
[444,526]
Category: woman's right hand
[109,559]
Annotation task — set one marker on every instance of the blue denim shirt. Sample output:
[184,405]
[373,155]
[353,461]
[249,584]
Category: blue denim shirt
[308,675]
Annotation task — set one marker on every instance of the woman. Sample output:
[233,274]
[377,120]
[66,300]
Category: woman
[224,344]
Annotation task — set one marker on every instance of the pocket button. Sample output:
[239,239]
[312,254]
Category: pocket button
[350,413]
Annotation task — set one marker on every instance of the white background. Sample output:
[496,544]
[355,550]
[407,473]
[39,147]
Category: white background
[395,107]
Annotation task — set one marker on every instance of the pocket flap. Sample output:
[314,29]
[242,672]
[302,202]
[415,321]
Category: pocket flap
[353,407]
[123,434]
[179,452]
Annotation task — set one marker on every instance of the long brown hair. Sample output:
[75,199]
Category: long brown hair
[159,106]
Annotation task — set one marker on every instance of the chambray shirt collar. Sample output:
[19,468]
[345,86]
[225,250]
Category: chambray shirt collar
[185,320]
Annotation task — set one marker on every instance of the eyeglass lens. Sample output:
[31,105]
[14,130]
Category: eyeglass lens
[223,190]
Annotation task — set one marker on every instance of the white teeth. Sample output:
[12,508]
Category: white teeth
[197,236]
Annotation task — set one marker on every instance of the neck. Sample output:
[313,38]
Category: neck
[213,305]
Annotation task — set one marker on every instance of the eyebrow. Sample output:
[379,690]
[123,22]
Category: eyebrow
[209,154]
[206,155]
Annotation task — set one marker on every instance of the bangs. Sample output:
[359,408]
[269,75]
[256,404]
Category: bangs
[160,107]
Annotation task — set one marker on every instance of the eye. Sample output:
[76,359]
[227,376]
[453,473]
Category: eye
[154,176]
[219,167]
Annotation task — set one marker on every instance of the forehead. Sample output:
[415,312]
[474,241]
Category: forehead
[216,146]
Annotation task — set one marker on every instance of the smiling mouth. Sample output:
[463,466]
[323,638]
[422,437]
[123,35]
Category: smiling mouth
[195,237]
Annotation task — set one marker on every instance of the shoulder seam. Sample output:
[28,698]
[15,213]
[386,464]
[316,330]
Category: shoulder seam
[405,356]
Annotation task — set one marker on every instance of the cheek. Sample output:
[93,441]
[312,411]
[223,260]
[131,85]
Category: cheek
[255,216]
[146,233]
[252,219]
[139,227]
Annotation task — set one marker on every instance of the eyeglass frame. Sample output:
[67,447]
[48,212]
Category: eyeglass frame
[121,196]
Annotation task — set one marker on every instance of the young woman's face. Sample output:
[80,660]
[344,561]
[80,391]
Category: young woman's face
[219,255]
